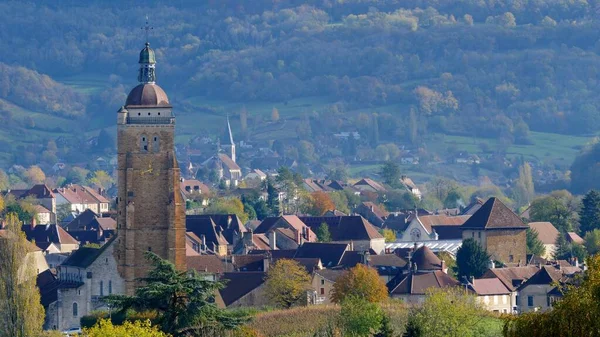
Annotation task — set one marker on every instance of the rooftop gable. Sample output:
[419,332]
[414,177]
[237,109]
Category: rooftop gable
[494,214]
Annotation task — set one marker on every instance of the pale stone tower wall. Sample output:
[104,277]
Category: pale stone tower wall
[150,208]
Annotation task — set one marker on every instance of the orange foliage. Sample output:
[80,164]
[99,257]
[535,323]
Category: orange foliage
[321,203]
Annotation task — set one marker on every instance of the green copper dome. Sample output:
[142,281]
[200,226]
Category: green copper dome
[147,55]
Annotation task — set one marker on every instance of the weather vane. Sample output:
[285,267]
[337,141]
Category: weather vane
[147,28]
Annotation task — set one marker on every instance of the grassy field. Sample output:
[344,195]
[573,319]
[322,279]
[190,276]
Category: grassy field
[205,116]
[548,148]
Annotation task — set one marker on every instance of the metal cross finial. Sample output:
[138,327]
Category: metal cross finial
[147,28]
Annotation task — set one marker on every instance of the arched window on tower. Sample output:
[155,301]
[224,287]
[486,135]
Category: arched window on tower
[155,144]
[144,143]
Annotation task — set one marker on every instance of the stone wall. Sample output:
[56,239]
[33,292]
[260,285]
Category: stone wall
[150,209]
[508,246]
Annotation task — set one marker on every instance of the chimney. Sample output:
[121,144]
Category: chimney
[491,264]
[272,240]
[372,208]
[247,237]
[444,267]
[435,235]
[266,262]
[415,268]
[366,258]
[472,280]
[576,264]
[229,220]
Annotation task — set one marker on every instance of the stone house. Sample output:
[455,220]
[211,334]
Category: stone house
[322,284]
[372,212]
[44,199]
[423,271]
[499,231]
[425,227]
[85,277]
[79,198]
[368,185]
[536,294]
[195,190]
[285,232]
[547,234]
[411,187]
[493,294]
[352,229]
[512,278]
[44,235]
[242,289]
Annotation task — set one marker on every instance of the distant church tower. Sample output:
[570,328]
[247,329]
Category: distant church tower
[151,212]
[227,143]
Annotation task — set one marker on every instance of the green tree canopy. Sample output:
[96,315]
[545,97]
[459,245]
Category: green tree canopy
[471,259]
[589,215]
[323,233]
[534,245]
[183,300]
[391,174]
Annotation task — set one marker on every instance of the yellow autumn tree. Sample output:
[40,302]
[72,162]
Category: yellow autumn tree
[362,282]
[21,313]
[105,328]
[34,175]
[286,283]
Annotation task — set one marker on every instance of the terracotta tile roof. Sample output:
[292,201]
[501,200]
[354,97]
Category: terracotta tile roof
[574,237]
[48,233]
[231,165]
[425,259]
[547,233]
[418,283]
[375,209]
[40,191]
[94,193]
[193,185]
[189,250]
[388,260]
[546,276]
[489,286]
[345,228]
[494,215]
[511,277]
[41,209]
[76,194]
[261,241]
[428,221]
[206,263]
[330,274]
[106,223]
[312,185]
[408,183]
[237,285]
[472,207]
[372,183]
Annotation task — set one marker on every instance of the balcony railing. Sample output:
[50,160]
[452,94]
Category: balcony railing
[150,120]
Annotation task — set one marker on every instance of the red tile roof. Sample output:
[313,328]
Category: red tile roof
[231,165]
[494,215]
[547,233]
[489,286]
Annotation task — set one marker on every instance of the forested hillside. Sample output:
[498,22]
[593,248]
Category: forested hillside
[491,69]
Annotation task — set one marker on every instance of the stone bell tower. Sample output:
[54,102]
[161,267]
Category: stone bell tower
[151,211]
